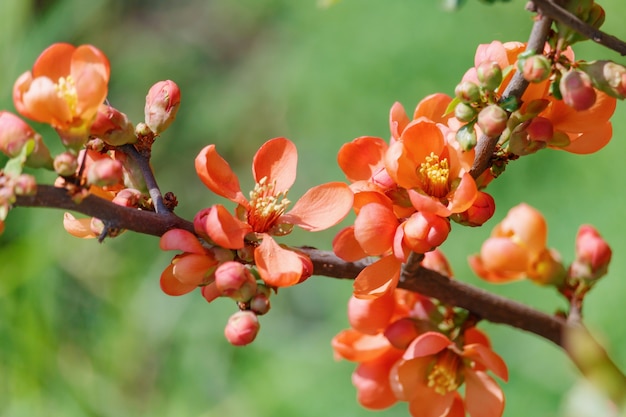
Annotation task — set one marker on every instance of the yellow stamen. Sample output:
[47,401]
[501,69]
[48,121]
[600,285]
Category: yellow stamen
[266,206]
[66,88]
[434,175]
[444,376]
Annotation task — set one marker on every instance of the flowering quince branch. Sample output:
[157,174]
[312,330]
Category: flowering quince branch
[412,328]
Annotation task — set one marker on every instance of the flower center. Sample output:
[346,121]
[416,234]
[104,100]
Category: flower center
[444,376]
[434,175]
[266,206]
[66,89]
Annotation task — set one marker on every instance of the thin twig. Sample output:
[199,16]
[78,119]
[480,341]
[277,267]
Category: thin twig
[148,175]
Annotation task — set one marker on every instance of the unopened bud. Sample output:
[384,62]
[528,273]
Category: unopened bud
[14,133]
[481,210]
[489,75]
[540,129]
[162,103]
[234,280]
[25,184]
[593,254]
[401,332]
[242,328]
[576,90]
[464,112]
[128,197]
[105,172]
[536,68]
[260,303]
[492,120]
[466,137]
[467,92]
[65,164]
[113,126]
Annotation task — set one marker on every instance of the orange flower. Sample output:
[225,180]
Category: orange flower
[264,213]
[517,248]
[433,368]
[434,172]
[64,89]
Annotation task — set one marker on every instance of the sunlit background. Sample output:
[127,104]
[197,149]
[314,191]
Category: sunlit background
[84,327]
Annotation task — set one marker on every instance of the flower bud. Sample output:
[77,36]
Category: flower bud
[260,303]
[481,210]
[25,184]
[162,103]
[39,157]
[467,92]
[210,292]
[593,254]
[401,332]
[14,133]
[128,197]
[371,316]
[606,76]
[466,137]
[307,266]
[576,90]
[242,328]
[536,68]
[492,120]
[464,112]
[540,129]
[65,164]
[113,126]
[105,172]
[236,281]
[425,231]
[489,75]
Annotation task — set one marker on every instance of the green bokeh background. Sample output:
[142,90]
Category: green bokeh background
[84,328]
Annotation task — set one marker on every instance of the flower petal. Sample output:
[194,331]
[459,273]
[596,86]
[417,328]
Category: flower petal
[358,347]
[78,227]
[346,246]
[321,207]
[428,403]
[465,194]
[277,160]
[54,62]
[483,396]
[217,175]
[591,141]
[278,267]
[426,344]
[433,107]
[397,120]
[378,278]
[408,378]
[374,228]
[179,239]
[362,157]
[193,269]
[488,358]
[225,229]
[172,286]
[371,380]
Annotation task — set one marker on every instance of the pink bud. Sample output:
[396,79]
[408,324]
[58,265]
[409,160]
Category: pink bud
[577,91]
[489,74]
[105,172]
[467,92]
[14,133]
[113,126]
[242,328]
[162,103]
[492,120]
[425,231]
[481,210]
[401,332]
[536,68]
[260,303]
[234,280]
[128,197]
[592,251]
[25,184]
[65,164]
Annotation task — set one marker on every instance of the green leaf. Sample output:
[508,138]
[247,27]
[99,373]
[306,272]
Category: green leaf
[14,166]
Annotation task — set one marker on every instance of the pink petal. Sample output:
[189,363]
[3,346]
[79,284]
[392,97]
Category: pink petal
[193,269]
[427,403]
[172,286]
[321,207]
[488,358]
[179,239]
[362,157]
[277,160]
[374,228]
[217,175]
[278,267]
[426,344]
[225,229]
[483,396]
[378,278]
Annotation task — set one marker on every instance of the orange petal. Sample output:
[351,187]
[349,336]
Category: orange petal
[433,107]
[362,157]
[54,62]
[371,380]
[179,239]
[374,228]
[362,198]
[172,286]
[193,269]
[483,396]
[358,347]
[566,119]
[321,207]
[78,227]
[346,246]
[591,141]
[465,194]
[401,166]
[423,137]
[488,358]
[428,403]
[371,316]
[43,103]
[217,175]
[225,229]
[425,203]
[408,378]
[397,120]
[278,267]
[378,278]
[426,344]
[277,160]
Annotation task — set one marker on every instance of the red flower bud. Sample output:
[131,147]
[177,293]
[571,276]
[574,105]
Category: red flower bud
[162,104]
[236,281]
[113,126]
[481,210]
[593,254]
[242,328]
[105,172]
[401,332]
[577,91]
[65,164]
[492,120]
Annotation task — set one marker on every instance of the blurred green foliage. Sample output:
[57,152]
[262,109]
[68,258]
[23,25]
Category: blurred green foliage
[84,328]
